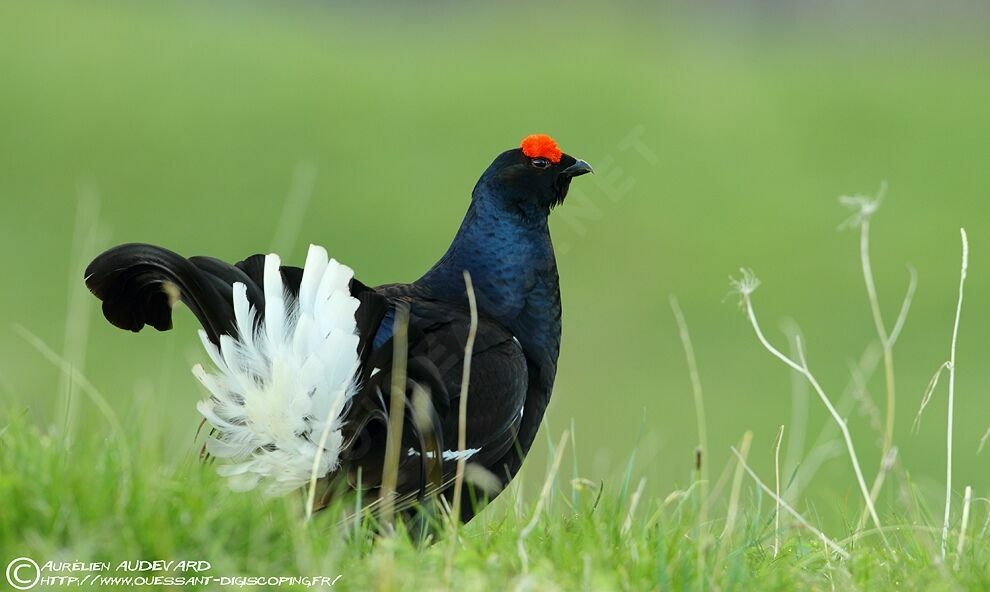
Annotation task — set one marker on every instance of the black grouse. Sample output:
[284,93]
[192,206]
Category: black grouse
[303,357]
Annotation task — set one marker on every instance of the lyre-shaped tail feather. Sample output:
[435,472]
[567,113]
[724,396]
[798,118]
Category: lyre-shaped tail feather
[139,284]
[283,385]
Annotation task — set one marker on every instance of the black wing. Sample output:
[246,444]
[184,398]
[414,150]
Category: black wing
[438,333]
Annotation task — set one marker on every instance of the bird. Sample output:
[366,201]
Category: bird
[305,361]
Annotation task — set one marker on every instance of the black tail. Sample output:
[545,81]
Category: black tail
[139,284]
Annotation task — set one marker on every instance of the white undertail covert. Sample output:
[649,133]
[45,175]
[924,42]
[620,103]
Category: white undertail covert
[282,387]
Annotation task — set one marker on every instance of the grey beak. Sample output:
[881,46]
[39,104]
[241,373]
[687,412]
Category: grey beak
[578,168]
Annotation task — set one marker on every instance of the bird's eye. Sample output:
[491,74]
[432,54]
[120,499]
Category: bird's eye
[541,163]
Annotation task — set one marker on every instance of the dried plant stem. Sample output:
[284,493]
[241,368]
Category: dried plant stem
[544,494]
[793,459]
[455,510]
[462,410]
[929,391]
[887,341]
[952,391]
[776,467]
[986,521]
[961,545]
[790,510]
[823,444]
[865,207]
[101,403]
[699,411]
[983,441]
[633,504]
[88,234]
[733,511]
[696,391]
[314,475]
[802,368]
[294,206]
[396,414]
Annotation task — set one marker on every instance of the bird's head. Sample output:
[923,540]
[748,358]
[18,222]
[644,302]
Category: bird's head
[532,178]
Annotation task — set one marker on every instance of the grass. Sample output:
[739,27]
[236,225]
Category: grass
[951,403]
[128,501]
[573,537]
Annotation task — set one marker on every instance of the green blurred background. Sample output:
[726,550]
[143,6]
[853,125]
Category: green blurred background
[722,134]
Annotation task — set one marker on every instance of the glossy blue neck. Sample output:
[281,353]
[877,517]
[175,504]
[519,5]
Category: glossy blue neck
[510,258]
